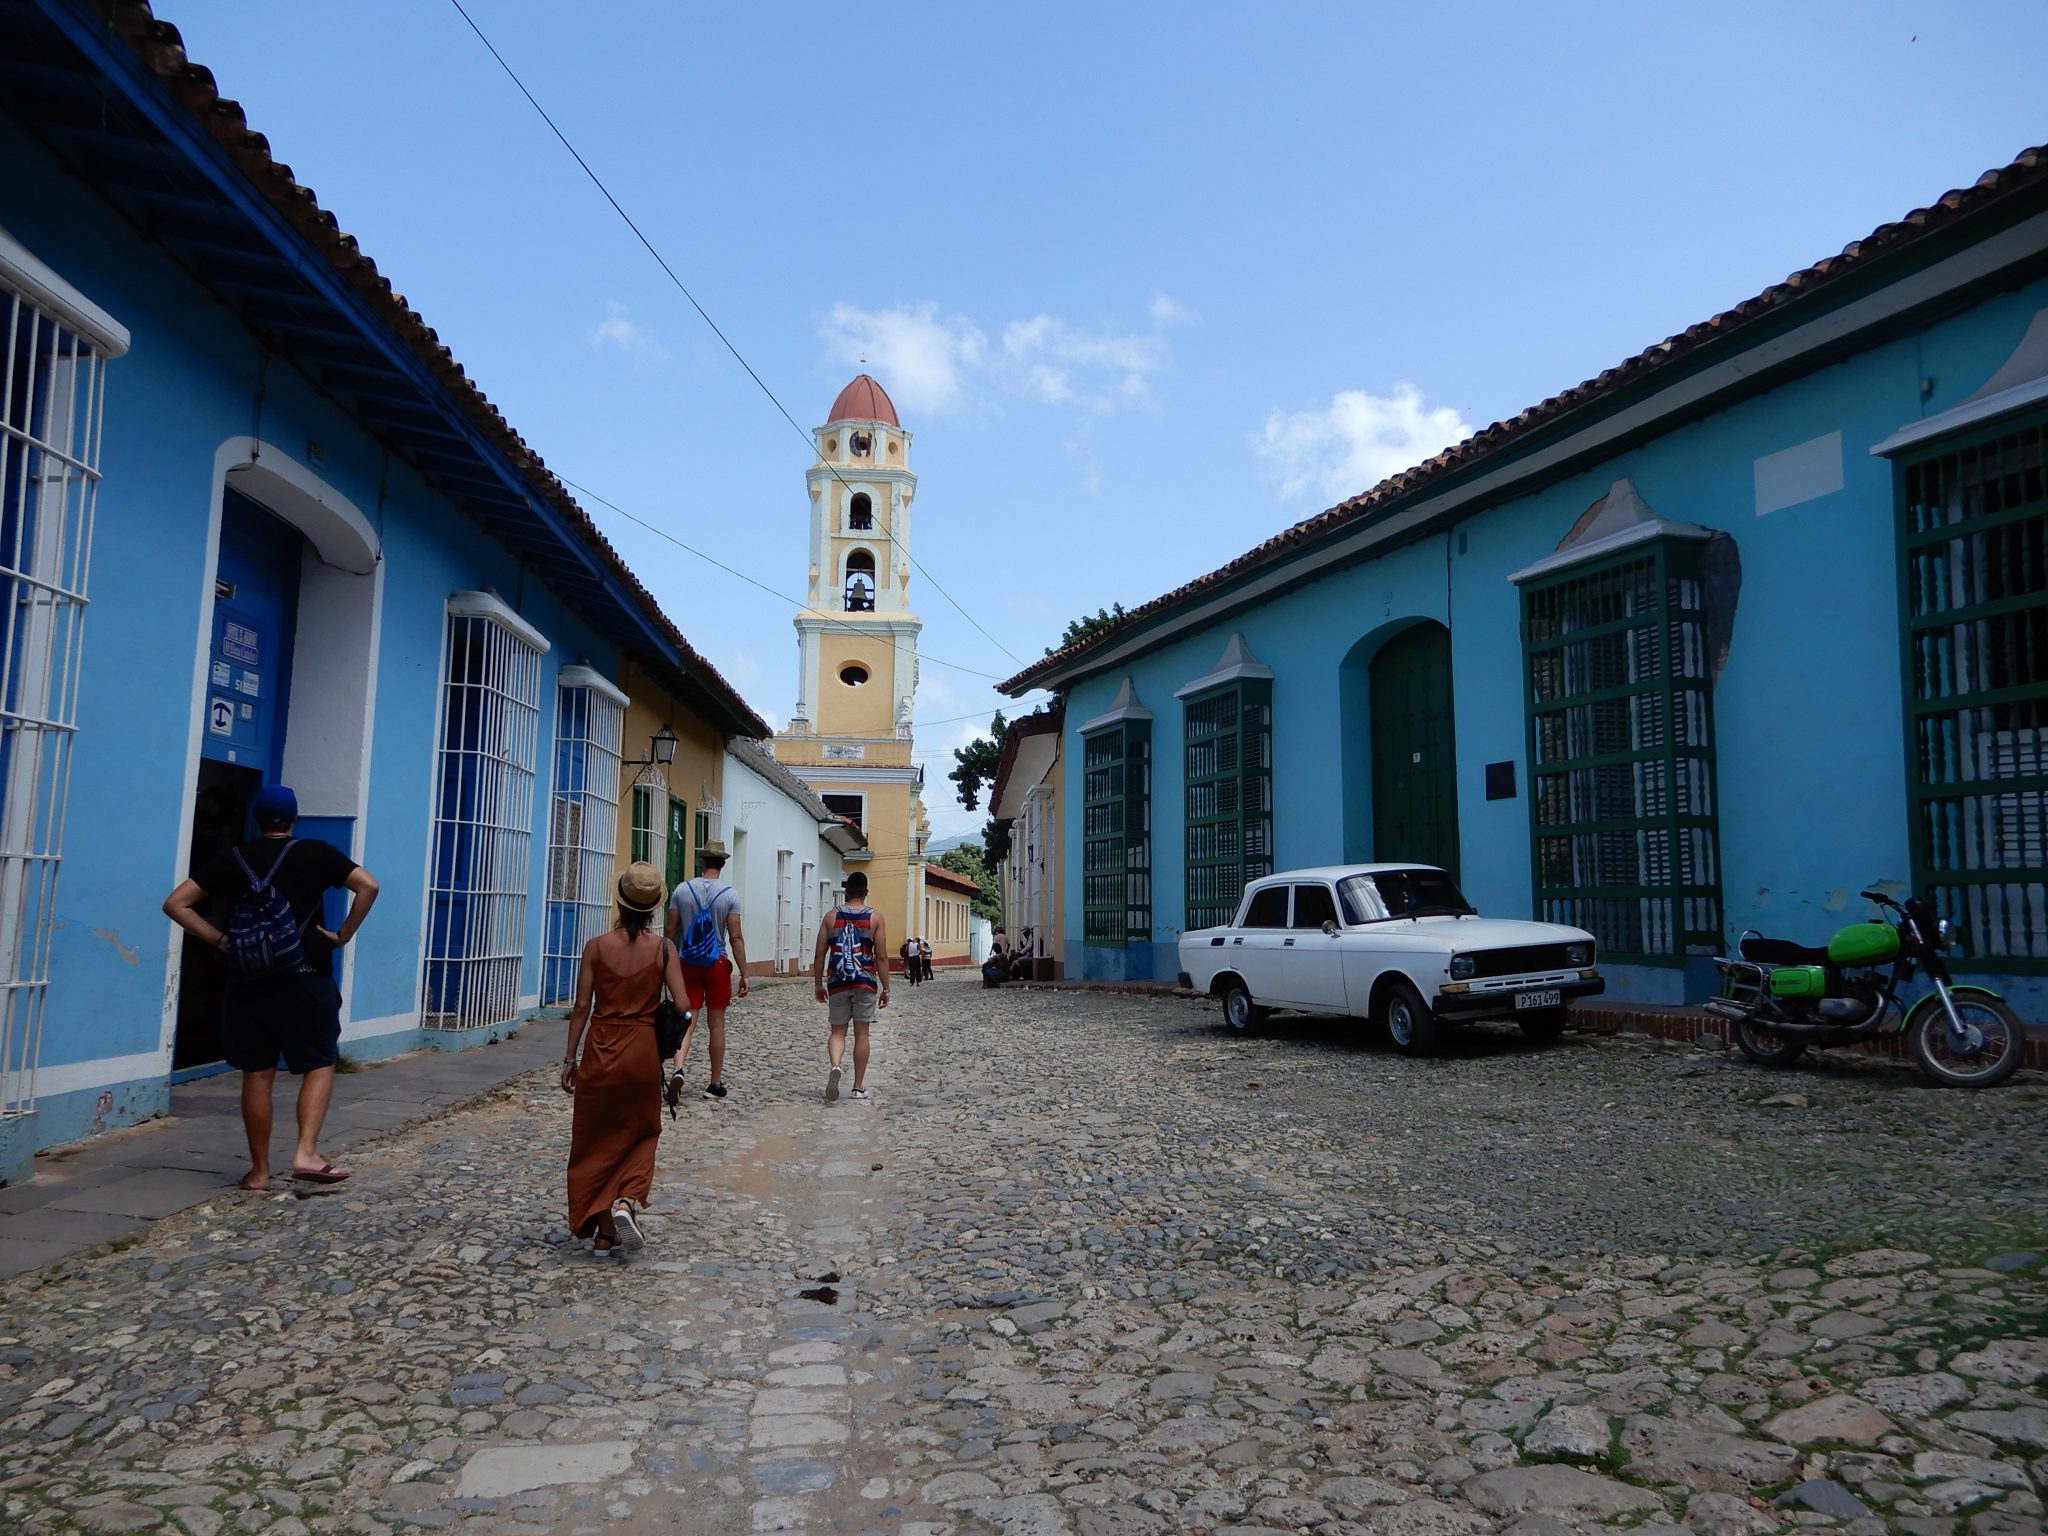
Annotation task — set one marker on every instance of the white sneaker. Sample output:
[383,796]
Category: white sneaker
[832,1086]
[629,1232]
[858,1093]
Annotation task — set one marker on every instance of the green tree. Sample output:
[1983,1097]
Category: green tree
[1080,629]
[968,860]
[974,765]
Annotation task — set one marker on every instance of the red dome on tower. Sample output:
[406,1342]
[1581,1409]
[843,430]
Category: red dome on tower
[865,400]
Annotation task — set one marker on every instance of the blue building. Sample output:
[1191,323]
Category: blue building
[256,525]
[1745,625]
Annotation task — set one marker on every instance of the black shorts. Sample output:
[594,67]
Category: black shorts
[296,1015]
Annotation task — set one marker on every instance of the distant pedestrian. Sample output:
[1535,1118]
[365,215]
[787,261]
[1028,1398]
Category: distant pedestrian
[704,925]
[847,976]
[924,957]
[911,968]
[1020,962]
[613,1069]
[281,998]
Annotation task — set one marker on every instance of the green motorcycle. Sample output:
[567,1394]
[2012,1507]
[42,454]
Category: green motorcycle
[1784,997]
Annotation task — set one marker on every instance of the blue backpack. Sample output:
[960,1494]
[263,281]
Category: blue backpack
[700,944]
[264,937]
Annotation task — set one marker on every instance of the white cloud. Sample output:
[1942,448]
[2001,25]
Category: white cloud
[1356,441]
[618,329]
[1100,371]
[1166,311]
[923,359]
[932,364]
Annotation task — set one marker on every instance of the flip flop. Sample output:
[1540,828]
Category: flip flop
[326,1173]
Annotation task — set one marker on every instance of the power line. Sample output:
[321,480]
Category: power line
[661,261]
[851,629]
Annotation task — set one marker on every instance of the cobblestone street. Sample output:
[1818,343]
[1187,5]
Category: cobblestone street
[1087,1264]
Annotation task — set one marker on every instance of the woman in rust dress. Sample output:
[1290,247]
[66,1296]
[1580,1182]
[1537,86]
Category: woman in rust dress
[617,1080]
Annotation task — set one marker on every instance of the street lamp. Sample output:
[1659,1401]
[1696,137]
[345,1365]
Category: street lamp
[661,750]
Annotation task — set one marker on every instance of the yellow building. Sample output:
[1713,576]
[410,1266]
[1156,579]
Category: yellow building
[849,738]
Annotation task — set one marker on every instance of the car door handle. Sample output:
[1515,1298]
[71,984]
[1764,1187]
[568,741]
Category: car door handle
[1288,944]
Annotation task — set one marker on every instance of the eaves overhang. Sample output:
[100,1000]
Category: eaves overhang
[1986,238]
[108,88]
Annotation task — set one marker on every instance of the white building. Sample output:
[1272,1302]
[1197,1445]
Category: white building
[790,855]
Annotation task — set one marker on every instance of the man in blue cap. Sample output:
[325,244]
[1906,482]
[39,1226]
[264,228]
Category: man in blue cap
[281,997]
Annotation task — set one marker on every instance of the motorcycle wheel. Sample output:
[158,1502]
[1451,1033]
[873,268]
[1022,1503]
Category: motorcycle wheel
[1765,1048]
[1991,1053]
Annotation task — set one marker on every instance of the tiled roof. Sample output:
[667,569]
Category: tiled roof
[2028,170]
[938,873]
[162,51]
[1037,723]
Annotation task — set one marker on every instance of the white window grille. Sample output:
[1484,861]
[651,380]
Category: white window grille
[785,946]
[483,818]
[583,824]
[51,397]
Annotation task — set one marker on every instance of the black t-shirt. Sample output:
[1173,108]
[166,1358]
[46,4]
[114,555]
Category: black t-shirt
[309,871]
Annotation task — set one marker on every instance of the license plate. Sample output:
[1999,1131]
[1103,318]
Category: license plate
[1550,999]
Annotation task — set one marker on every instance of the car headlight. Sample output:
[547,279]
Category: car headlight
[1578,954]
[1463,967]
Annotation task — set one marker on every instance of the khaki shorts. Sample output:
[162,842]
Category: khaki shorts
[856,1005]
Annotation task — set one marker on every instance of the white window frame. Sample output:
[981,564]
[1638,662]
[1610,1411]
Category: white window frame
[583,824]
[54,347]
[476,929]
[785,947]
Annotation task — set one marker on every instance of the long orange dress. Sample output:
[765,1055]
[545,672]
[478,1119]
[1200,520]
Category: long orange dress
[617,1119]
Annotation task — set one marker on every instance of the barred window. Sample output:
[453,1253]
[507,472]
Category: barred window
[1974,545]
[1116,835]
[583,840]
[483,815]
[1229,750]
[1621,752]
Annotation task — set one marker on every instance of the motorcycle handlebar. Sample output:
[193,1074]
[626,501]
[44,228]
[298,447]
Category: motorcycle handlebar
[1880,898]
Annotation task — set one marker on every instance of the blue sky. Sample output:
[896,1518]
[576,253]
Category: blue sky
[1147,282]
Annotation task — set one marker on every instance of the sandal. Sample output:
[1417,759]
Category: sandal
[326,1173]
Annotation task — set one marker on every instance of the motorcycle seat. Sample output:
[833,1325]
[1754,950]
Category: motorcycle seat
[1763,951]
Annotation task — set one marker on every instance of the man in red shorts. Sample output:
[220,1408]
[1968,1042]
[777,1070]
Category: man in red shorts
[704,925]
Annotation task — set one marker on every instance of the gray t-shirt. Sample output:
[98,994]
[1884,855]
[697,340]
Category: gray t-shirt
[692,895]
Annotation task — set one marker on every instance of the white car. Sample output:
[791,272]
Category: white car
[1394,943]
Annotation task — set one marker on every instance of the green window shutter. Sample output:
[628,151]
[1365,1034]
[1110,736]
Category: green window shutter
[1228,745]
[1116,835]
[678,853]
[1973,584]
[1621,753]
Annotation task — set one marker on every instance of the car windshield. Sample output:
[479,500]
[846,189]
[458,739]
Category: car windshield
[1398,893]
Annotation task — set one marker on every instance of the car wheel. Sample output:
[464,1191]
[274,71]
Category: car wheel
[1542,1023]
[1410,1026]
[1239,1011]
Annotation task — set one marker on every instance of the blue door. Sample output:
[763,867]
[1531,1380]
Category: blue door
[255,609]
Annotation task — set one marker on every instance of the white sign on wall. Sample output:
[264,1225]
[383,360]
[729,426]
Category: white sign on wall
[845,751]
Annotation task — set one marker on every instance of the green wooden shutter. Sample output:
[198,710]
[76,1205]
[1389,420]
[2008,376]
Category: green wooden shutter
[1116,837]
[643,823]
[1228,746]
[1621,753]
[678,843]
[1973,582]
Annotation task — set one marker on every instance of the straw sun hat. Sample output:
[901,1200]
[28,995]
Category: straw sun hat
[640,888]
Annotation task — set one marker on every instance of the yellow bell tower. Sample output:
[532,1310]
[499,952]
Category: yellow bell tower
[857,648]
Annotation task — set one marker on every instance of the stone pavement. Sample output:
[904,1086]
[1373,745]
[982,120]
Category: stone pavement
[1087,1265]
[110,1189]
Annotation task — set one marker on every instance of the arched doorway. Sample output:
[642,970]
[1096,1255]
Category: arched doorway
[284,688]
[1414,749]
